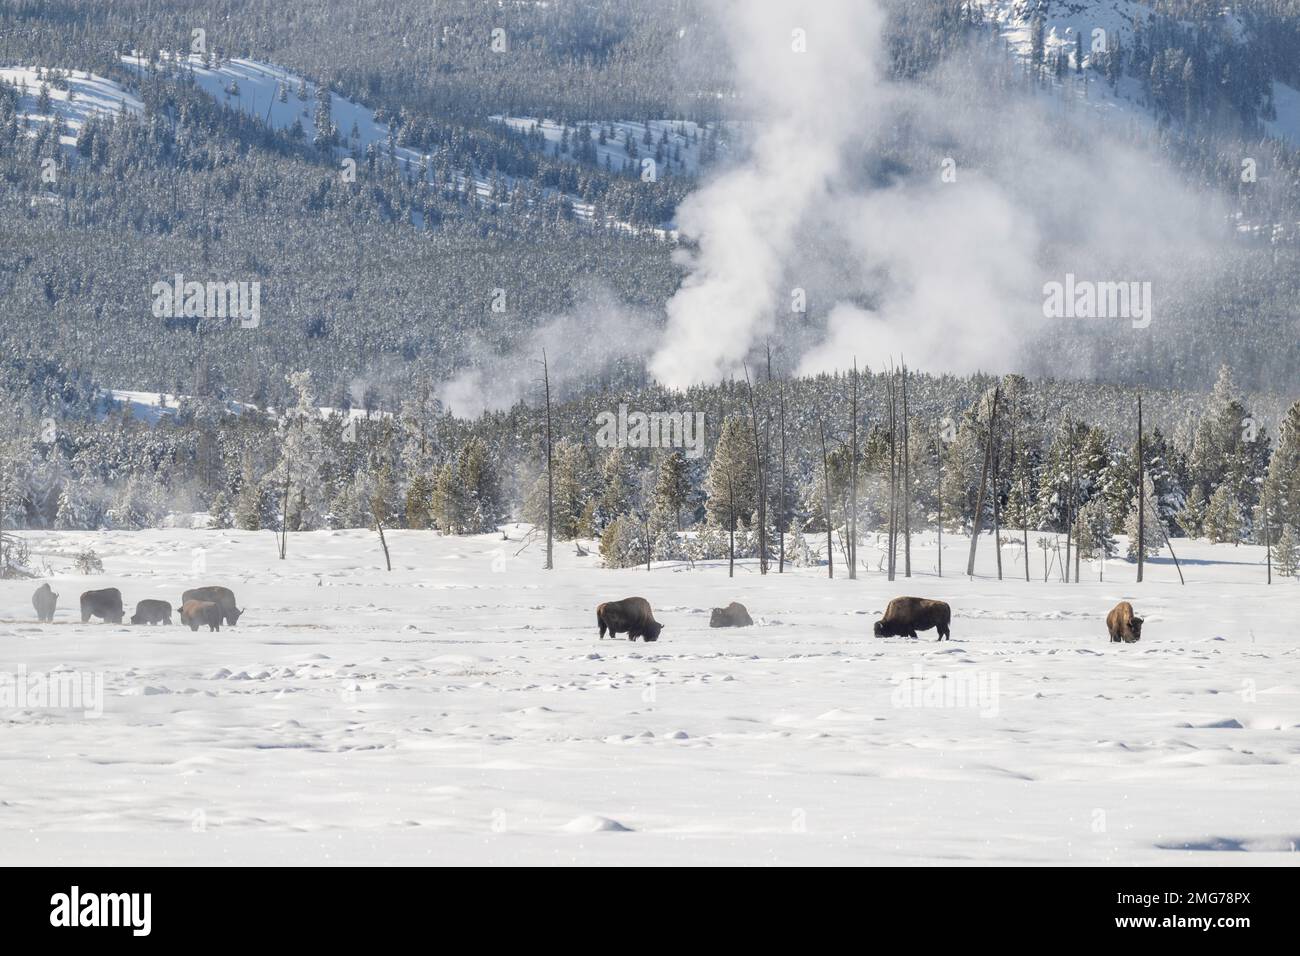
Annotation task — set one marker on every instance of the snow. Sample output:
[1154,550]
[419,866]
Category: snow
[153,407]
[680,133]
[461,709]
[1065,20]
[87,95]
[1286,103]
[253,88]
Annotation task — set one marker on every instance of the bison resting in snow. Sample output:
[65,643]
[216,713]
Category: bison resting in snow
[45,601]
[105,604]
[1123,626]
[631,615]
[733,615]
[907,615]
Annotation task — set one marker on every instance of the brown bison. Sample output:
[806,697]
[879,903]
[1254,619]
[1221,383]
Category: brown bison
[45,601]
[1123,626]
[105,605]
[223,598]
[152,612]
[906,615]
[631,615]
[733,615]
[197,613]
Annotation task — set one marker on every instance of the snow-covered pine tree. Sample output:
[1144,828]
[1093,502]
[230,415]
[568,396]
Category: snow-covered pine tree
[1153,536]
[219,516]
[1286,552]
[1223,522]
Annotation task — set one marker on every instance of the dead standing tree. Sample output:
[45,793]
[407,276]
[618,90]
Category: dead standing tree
[907,485]
[759,476]
[550,470]
[852,555]
[891,530]
[977,521]
[826,489]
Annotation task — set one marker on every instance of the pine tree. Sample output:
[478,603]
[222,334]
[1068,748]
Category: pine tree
[219,517]
[1223,517]
[733,461]
[615,496]
[1286,552]
[1282,481]
[1153,536]
[673,488]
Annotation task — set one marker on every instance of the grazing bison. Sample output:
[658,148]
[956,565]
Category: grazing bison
[631,615]
[1123,626]
[733,615]
[45,601]
[105,605]
[907,615]
[224,598]
[197,613]
[152,612]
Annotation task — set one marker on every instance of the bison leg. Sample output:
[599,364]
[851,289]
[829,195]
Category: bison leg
[944,634]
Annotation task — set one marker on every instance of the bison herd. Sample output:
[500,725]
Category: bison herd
[903,618]
[211,606]
[215,606]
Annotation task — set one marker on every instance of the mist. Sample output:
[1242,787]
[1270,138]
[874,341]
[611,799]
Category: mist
[579,343]
[940,255]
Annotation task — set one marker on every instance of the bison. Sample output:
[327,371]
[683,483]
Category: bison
[906,615]
[733,615]
[1123,626]
[197,613]
[224,598]
[631,615]
[152,612]
[105,605]
[45,601]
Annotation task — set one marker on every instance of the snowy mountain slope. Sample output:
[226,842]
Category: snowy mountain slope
[153,407]
[684,139]
[86,95]
[461,709]
[1064,21]
[279,99]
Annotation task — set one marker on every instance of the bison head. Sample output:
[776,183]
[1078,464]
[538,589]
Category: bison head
[881,629]
[234,616]
[652,631]
[1134,631]
[136,619]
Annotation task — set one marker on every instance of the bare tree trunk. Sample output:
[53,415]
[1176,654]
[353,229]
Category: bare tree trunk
[1268,538]
[891,538]
[907,485]
[826,488]
[383,543]
[977,521]
[550,471]
[997,524]
[852,556]
[284,510]
[759,478]
[1024,500]
[731,516]
[780,567]
[938,447]
[1141,495]
[1178,567]
[1069,498]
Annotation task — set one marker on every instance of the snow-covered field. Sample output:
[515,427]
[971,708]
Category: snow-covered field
[462,709]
